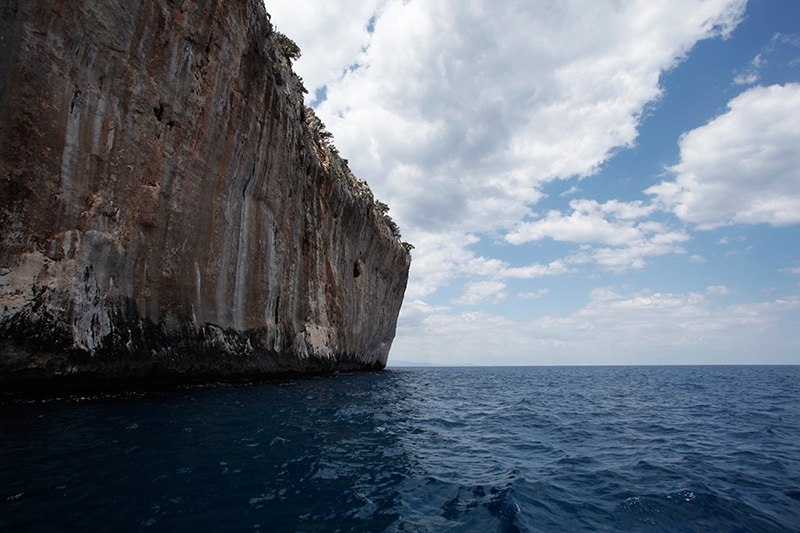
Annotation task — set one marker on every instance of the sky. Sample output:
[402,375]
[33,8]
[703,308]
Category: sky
[584,181]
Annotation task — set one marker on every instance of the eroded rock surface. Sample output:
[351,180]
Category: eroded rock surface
[168,206]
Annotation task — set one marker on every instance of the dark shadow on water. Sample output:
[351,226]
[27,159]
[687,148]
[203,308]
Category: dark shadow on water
[293,454]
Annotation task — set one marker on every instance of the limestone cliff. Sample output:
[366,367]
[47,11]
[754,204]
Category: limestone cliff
[169,207]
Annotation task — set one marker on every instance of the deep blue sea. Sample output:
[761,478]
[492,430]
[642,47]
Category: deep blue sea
[419,449]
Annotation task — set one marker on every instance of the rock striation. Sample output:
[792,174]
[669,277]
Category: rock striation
[170,209]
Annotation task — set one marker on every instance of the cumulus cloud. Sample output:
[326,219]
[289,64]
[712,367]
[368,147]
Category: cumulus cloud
[672,319]
[437,261]
[459,113]
[614,237]
[643,327]
[718,290]
[536,270]
[586,223]
[414,311]
[477,292]
[752,73]
[449,259]
[532,295]
[743,166]
[330,35]
[635,254]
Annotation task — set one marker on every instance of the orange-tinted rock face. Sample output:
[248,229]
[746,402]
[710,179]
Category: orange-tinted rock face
[167,206]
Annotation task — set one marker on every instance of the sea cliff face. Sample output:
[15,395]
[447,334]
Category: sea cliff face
[169,207]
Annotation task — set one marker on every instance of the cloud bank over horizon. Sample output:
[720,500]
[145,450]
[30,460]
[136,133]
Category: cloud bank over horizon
[489,128]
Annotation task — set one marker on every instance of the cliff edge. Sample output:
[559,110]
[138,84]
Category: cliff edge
[170,209]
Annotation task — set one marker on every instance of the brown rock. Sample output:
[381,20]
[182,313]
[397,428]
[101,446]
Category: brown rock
[168,207]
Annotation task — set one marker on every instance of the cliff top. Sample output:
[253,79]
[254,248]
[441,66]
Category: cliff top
[281,51]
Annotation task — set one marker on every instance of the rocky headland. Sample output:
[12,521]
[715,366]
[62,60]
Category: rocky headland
[170,209]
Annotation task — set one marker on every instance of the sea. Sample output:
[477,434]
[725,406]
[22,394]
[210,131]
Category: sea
[507,449]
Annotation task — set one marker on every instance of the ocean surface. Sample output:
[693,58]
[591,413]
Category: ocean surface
[419,449]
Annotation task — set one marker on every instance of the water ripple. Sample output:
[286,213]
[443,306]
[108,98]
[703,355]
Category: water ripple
[427,450]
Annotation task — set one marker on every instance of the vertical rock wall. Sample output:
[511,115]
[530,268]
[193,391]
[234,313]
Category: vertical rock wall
[167,206]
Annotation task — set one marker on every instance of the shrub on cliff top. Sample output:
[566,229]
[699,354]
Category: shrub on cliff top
[286,46]
[383,211]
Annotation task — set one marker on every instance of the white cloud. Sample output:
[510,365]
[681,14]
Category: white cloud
[616,244]
[718,290]
[613,328]
[438,261]
[635,254]
[415,311]
[569,192]
[536,270]
[752,73]
[477,292]
[586,224]
[748,77]
[330,35]
[533,295]
[604,294]
[743,166]
[457,112]
[676,319]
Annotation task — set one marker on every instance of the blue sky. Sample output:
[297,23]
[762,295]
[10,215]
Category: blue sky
[585,182]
